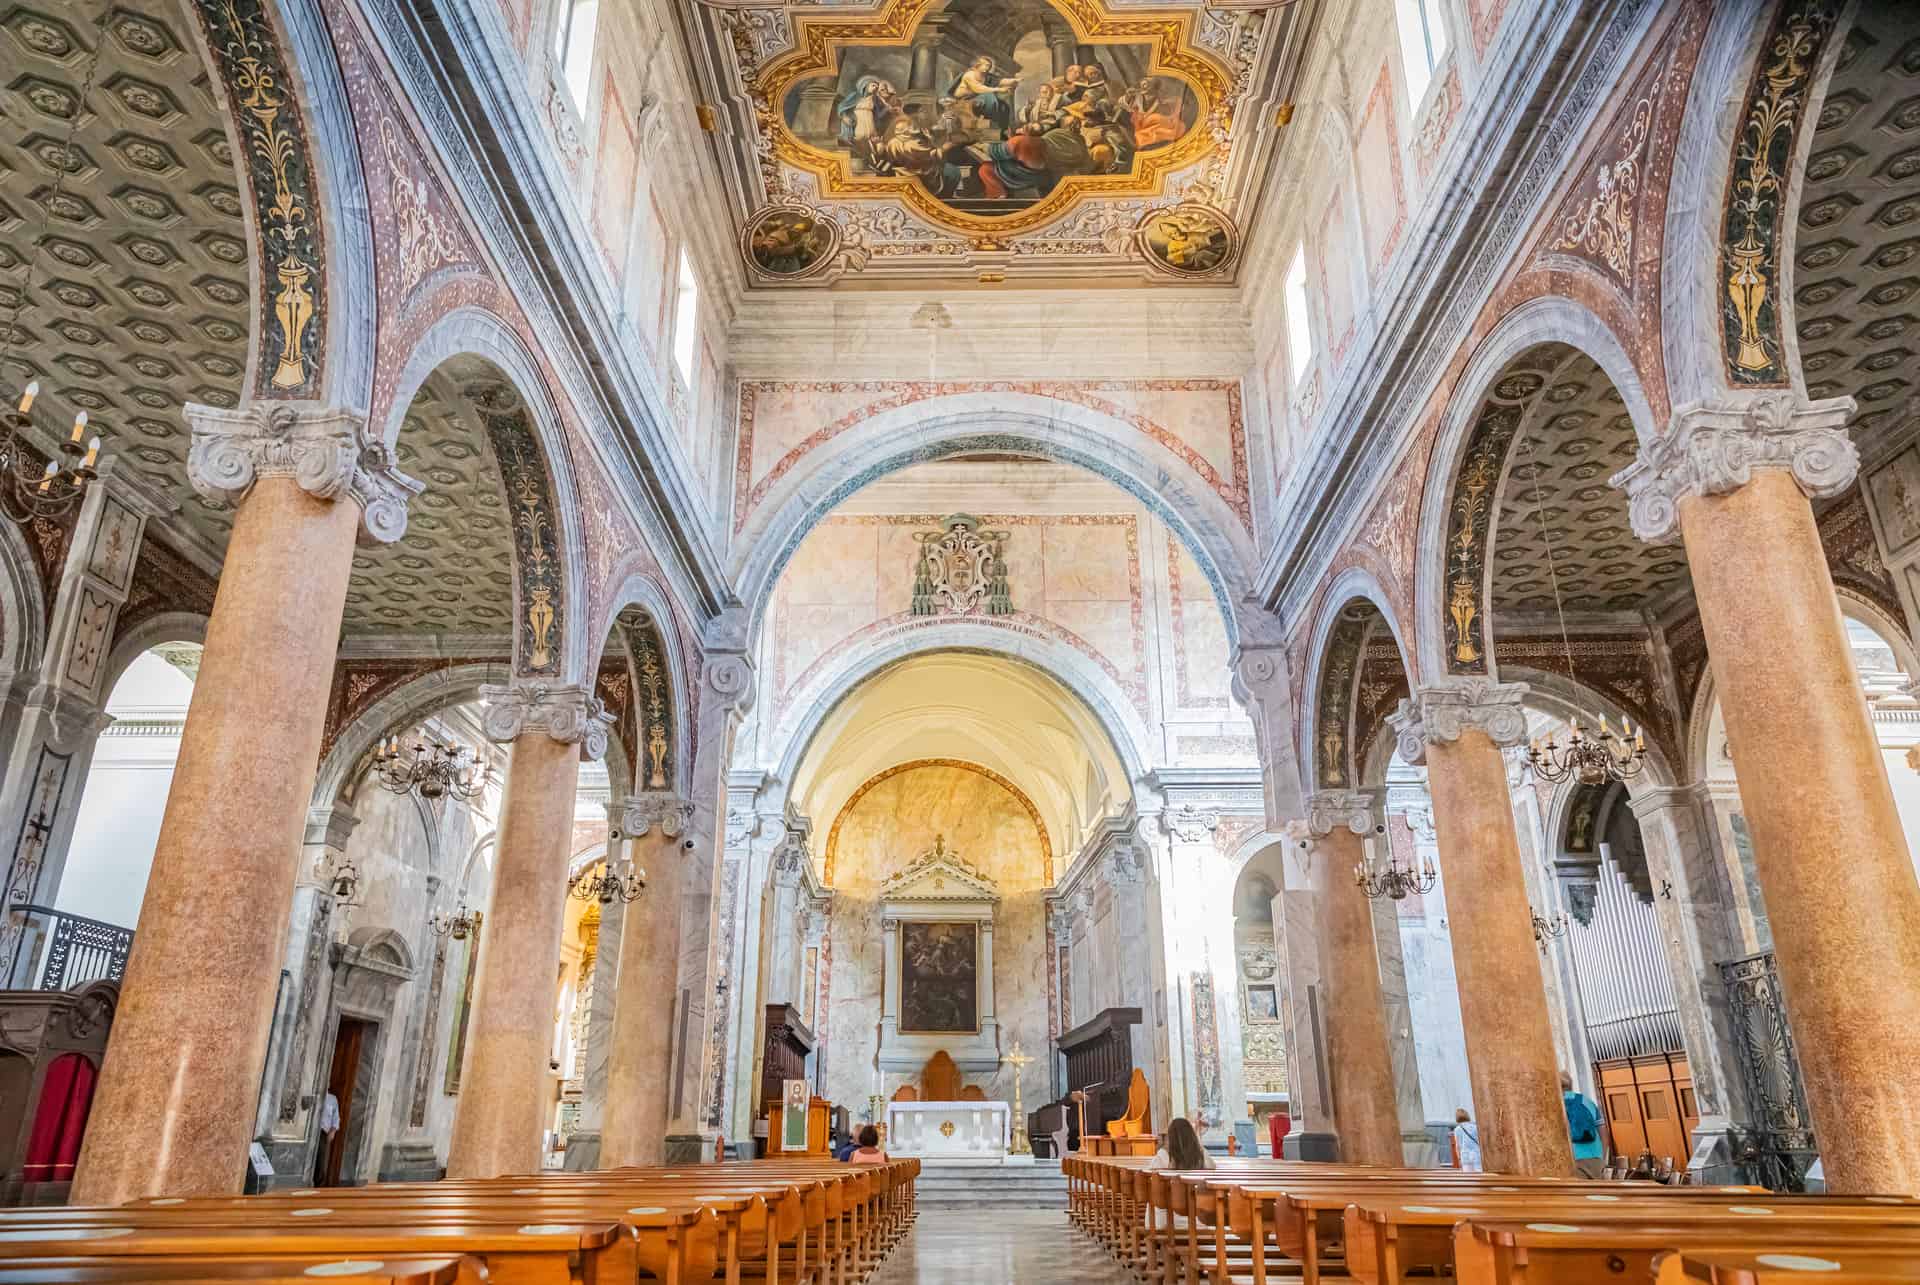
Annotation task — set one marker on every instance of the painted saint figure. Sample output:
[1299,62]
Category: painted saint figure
[867,113]
[988,92]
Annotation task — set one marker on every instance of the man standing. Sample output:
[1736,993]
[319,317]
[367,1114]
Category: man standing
[1583,1128]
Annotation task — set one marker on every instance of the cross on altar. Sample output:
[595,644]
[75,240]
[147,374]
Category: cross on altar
[1019,1062]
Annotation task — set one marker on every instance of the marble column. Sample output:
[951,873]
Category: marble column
[1365,1106]
[1457,727]
[583,1147]
[498,1124]
[1297,919]
[1831,856]
[176,1102]
[640,1058]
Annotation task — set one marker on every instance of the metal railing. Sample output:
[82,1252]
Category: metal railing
[59,951]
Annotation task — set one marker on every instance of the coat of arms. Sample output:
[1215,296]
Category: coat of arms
[962,570]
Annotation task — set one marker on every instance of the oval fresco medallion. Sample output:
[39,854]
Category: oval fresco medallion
[1191,241]
[790,241]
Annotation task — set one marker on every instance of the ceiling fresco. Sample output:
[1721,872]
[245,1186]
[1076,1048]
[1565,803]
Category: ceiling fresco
[986,139]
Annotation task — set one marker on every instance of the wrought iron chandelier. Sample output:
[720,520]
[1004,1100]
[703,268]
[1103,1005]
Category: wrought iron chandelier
[1395,881]
[429,768]
[1587,757]
[460,925]
[626,884]
[1545,929]
[29,488]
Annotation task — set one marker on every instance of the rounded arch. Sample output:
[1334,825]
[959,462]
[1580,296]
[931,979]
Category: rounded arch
[1857,606]
[1022,423]
[1126,733]
[1699,229]
[528,423]
[402,708]
[638,589]
[383,944]
[480,853]
[23,604]
[1333,638]
[1565,699]
[167,627]
[1547,319]
[584,860]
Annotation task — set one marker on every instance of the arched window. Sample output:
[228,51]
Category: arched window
[1423,43]
[573,45]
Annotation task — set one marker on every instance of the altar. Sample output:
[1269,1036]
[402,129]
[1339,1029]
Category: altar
[952,1133]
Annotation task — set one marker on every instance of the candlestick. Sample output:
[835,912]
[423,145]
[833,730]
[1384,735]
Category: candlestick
[79,426]
[93,451]
[26,398]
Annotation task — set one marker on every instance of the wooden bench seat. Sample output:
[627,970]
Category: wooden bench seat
[1544,1252]
[1845,1266]
[207,1270]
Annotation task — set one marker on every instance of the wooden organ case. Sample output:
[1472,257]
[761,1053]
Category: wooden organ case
[1099,1054]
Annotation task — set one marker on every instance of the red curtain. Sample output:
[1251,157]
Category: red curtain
[61,1120]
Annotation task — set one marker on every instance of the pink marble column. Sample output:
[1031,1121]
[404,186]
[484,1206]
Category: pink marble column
[1827,841]
[1366,1107]
[1458,727]
[640,1057]
[179,1087]
[501,1112]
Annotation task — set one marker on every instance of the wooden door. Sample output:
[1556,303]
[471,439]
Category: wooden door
[341,1077]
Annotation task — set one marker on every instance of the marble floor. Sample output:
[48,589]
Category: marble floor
[996,1246]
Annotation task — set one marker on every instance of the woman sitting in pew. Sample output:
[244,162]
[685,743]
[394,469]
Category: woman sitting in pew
[1182,1149]
[868,1152]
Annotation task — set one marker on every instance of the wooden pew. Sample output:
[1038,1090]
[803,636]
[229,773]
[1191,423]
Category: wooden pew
[1539,1251]
[212,1269]
[1774,1267]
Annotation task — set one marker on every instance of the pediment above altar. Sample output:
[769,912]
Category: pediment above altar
[939,874]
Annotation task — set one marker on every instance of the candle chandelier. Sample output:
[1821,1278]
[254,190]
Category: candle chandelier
[460,925]
[431,769]
[625,884]
[1394,881]
[1545,929]
[1587,757]
[32,486]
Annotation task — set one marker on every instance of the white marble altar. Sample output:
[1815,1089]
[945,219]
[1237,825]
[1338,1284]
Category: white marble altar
[979,1132]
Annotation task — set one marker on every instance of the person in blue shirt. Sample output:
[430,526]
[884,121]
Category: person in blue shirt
[1583,1128]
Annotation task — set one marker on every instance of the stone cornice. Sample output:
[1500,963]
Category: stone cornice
[470,92]
[1420,318]
[1712,450]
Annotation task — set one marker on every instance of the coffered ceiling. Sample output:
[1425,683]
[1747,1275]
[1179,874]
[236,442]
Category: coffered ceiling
[1857,285]
[1558,497]
[986,140]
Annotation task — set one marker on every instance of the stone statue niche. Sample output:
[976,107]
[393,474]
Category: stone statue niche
[937,915]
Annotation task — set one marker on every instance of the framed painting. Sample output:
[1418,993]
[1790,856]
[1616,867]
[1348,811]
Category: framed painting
[1263,1005]
[939,978]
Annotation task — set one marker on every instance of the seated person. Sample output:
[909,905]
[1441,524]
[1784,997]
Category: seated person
[868,1152]
[845,1149]
[1182,1150]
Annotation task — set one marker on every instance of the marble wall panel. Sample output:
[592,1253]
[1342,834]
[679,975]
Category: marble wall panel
[888,826]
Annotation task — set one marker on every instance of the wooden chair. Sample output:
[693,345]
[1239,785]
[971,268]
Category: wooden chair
[1136,1126]
[940,1078]
[973,1093]
[906,1093]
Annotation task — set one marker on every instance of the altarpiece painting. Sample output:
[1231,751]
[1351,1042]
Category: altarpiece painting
[939,978]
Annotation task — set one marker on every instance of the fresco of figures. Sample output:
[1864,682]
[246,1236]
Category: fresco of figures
[991,105]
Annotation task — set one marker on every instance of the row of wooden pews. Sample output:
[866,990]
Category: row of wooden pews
[1254,1220]
[769,1222]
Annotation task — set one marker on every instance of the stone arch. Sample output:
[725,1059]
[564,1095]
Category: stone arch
[23,604]
[1125,731]
[1167,482]
[1470,461]
[1354,608]
[398,710]
[1727,167]
[384,945]
[520,420]
[287,115]
[584,860]
[654,636]
[1020,796]
[168,626]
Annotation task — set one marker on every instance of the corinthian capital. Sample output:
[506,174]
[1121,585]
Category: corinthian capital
[1711,450]
[1357,810]
[572,715]
[1187,823]
[330,453]
[655,812]
[1441,712]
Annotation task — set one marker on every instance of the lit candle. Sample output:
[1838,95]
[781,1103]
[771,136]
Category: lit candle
[26,398]
[46,478]
[79,426]
[93,451]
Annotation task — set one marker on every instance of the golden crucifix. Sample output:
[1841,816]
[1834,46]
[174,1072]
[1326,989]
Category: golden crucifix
[1019,1062]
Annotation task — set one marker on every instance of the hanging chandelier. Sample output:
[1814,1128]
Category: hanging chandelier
[29,487]
[1394,881]
[1545,930]
[1587,757]
[431,769]
[460,925]
[607,886]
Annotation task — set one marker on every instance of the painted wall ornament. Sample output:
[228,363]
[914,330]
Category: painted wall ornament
[1190,240]
[656,707]
[279,169]
[538,566]
[1757,189]
[790,242]
[1468,522]
[961,570]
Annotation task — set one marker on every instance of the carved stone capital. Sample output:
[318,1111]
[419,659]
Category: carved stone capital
[729,677]
[1259,672]
[790,858]
[570,714]
[1357,810]
[1122,866]
[1189,824]
[1711,450]
[655,812]
[330,453]
[1441,712]
[889,925]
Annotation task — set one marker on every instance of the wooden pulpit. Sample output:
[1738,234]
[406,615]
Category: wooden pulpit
[817,1130]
